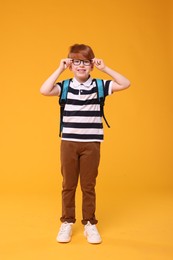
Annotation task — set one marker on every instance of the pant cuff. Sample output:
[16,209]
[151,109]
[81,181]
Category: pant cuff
[92,221]
[69,220]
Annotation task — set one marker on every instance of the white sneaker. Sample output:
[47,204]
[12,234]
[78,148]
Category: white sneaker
[65,233]
[92,234]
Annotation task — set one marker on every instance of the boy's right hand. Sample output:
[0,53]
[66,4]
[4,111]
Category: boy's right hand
[65,63]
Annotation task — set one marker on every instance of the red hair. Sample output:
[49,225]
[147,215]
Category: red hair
[81,51]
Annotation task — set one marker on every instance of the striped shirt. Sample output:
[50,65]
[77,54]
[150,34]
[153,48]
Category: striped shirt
[82,121]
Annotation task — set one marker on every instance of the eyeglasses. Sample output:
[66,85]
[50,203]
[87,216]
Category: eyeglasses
[78,62]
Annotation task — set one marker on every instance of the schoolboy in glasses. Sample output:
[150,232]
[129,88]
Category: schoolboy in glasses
[82,134]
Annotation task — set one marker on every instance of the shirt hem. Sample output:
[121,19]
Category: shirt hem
[81,140]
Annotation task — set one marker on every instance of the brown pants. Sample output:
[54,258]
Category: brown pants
[79,159]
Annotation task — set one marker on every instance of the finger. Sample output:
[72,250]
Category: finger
[69,61]
[98,62]
[95,60]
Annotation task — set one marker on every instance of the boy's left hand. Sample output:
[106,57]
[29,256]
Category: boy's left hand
[99,64]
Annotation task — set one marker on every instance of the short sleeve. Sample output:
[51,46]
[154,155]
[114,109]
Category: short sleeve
[108,87]
[58,85]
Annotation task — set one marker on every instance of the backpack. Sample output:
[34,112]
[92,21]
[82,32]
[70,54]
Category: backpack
[63,98]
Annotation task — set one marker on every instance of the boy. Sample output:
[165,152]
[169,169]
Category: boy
[82,134]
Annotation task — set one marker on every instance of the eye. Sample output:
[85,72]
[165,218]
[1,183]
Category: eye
[87,62]
[76,62]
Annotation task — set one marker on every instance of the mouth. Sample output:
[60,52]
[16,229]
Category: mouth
[81,70]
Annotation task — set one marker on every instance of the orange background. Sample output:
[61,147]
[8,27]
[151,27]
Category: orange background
[133,37]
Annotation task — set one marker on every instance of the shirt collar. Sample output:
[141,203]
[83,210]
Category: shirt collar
[86,83]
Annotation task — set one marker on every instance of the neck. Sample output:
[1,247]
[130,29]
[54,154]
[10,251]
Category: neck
[82,80]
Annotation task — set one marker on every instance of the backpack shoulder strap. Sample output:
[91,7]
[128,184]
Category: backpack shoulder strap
[64,90]
[62,101]
[101,97]
[100,86]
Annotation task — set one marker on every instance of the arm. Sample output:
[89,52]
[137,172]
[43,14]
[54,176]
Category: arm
[119,81]
[49,87]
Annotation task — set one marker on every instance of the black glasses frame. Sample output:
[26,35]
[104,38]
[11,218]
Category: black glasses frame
[77,62]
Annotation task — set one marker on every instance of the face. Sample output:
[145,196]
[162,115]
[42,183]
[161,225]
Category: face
[81,68]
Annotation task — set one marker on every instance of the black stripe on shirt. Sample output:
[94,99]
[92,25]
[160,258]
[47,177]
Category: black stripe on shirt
[83,125]
[82,102]
[88,91]
[82,137]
